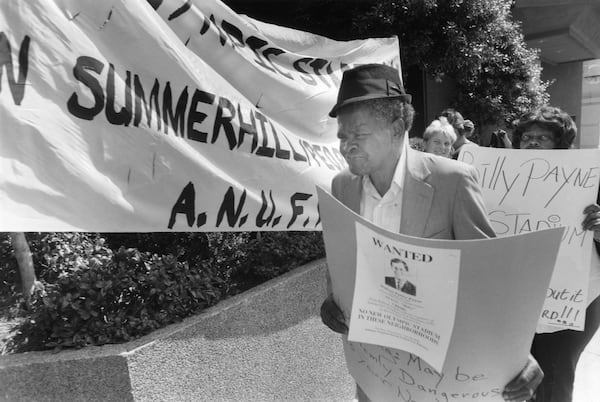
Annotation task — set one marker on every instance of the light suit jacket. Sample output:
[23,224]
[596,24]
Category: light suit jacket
[440,199]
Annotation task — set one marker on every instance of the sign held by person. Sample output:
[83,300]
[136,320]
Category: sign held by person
[529,190]
[496,306]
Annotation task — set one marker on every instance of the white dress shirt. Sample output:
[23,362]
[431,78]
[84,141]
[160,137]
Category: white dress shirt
[385,211]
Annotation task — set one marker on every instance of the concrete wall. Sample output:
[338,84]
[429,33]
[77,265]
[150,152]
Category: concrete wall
[565,92]
[267,344]
[589,124]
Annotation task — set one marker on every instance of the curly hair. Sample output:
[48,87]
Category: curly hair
[552,118]
[388,110]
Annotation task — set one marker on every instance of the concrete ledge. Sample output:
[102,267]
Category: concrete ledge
[265,344]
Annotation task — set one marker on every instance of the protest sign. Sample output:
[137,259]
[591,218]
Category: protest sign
[529,190]
[165,116]
[497,306]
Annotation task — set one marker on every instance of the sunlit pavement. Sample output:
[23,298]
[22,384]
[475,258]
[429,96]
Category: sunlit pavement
[587,376]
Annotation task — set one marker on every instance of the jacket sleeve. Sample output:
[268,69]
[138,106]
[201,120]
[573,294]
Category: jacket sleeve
[470,217]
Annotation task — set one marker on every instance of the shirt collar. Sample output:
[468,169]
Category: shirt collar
[397,179]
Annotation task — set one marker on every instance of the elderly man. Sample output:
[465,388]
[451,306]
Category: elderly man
[400,189]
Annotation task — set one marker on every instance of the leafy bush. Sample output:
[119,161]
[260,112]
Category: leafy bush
[115,298]
[10,289]
[95,294]
[275,252]
[186,246]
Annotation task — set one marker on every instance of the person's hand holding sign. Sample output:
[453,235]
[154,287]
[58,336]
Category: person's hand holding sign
[522,387]
[592,220]
[333,317]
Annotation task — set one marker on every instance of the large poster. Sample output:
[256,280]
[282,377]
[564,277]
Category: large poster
[496,309]
[528,190]
[404,295]
[168,115]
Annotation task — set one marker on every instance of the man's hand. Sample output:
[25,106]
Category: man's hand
[332,316]
[592,218]
[523,386]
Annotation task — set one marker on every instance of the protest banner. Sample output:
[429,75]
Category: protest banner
[496,310]
[165,116]
[529,190]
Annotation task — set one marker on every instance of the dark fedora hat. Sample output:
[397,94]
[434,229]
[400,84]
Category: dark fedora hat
[369,81]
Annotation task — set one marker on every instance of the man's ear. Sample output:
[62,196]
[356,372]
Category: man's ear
[398,128]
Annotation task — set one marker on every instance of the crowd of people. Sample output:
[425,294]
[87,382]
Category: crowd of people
[384,183]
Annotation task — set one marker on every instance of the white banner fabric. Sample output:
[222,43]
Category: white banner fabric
[167,115]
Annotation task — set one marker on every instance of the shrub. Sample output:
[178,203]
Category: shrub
[275,253]
[10,289]
[186,246]
[115,298]
[96,293]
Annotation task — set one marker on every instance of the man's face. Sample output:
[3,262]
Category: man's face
[399,271]
[537,137]
[367,143]
[439,144]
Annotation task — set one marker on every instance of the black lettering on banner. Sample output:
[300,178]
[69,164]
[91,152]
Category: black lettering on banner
[334,77]
[329,156]
[155,3]
[260,219]
[309,152]
[279,153]
[80,72]
[185,204]
[228,208]
[247,128]
[229,33]
[140,97]
[205,26]
[123,117]
[17,87]
[267,139]
[233,32]
[177,119]
[222,38]
[339,157]
[256,43]
[224,121]
[317,65]
[181,10]
[317,149]
[194,116]
[264,150]
[305,75]
[297,156]
[276,52]
[297,210]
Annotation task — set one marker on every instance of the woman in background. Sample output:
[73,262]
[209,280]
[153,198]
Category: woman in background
[439,137]
[557,353]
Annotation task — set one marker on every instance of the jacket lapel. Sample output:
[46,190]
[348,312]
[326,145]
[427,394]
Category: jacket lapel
[417,195]
[351,193]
